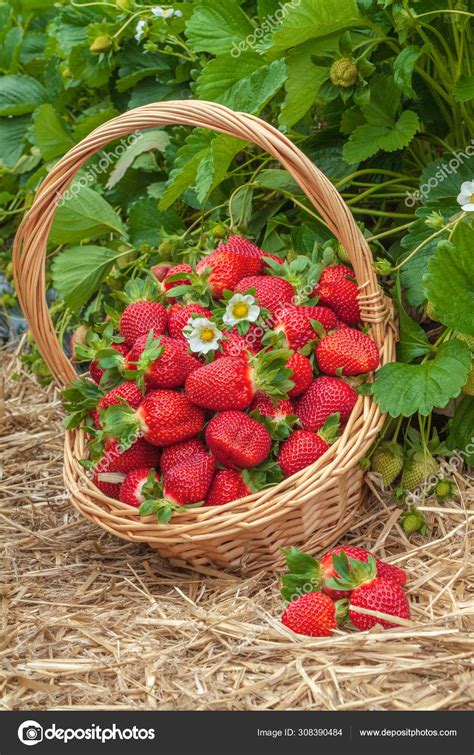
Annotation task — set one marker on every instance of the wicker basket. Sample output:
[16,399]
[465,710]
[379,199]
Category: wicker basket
[311,509]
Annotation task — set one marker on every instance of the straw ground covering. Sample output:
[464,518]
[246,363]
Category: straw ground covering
[89,621]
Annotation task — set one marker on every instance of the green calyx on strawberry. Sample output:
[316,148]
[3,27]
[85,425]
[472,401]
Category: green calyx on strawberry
[137,370]
[387,461]
[105,352]
[79,400]
[304,575]
[279,423]
[140,289]
[413,521]
[302,272]
[350,573]
[184,486]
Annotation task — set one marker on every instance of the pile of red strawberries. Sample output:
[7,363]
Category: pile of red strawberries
[227,378]
[348,583]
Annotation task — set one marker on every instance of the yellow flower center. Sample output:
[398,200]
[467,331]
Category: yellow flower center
[471,198]
[241,309]
[207,335]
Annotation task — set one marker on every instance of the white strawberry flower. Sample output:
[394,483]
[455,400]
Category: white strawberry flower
[158,12]
[140,29]
[202,335]
[466,196]
[241,308]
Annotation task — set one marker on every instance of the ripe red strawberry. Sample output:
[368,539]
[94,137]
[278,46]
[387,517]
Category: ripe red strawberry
[178,452]
[270,291]
[128,392]
[312,614]
[302,374]
[140,454]
[237,440]
[242,246]
[383,570]
[164,362]
[178,316]
[347,352]
[164,417]
[182,268]
[334,273]
[295,326]
[110,489]
[141,317]
[96,372]
[236,345]
[232,382]
[226,486]
[368,590]
[224,270]
[383,595]
[324,315]
[338,290]
[134,488]
[325,396]
[300,450]
[188,481]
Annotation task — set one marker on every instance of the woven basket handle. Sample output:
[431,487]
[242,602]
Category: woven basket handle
[29,248]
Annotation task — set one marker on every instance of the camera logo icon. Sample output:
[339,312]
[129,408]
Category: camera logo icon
[30,733]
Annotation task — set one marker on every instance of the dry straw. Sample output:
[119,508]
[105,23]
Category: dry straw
[312,508]
[91,622]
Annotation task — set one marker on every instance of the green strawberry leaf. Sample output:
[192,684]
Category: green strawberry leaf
[449,282]
[51,134]
[460,430]
[403,66]
[218,27]
[404,389]
[84,214]
[313,19]
[304,575]
[464,89]
[79,271]
[413,341]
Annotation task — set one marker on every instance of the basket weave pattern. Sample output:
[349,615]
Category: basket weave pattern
[310,509]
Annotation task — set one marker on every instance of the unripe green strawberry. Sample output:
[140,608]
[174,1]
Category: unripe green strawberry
[343,73]
[387,461]
[102,43]
[165,249]
[468,387]
[418,468]
[444,490]
[466,338]
[219,231]
[413,521]
[342,253]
